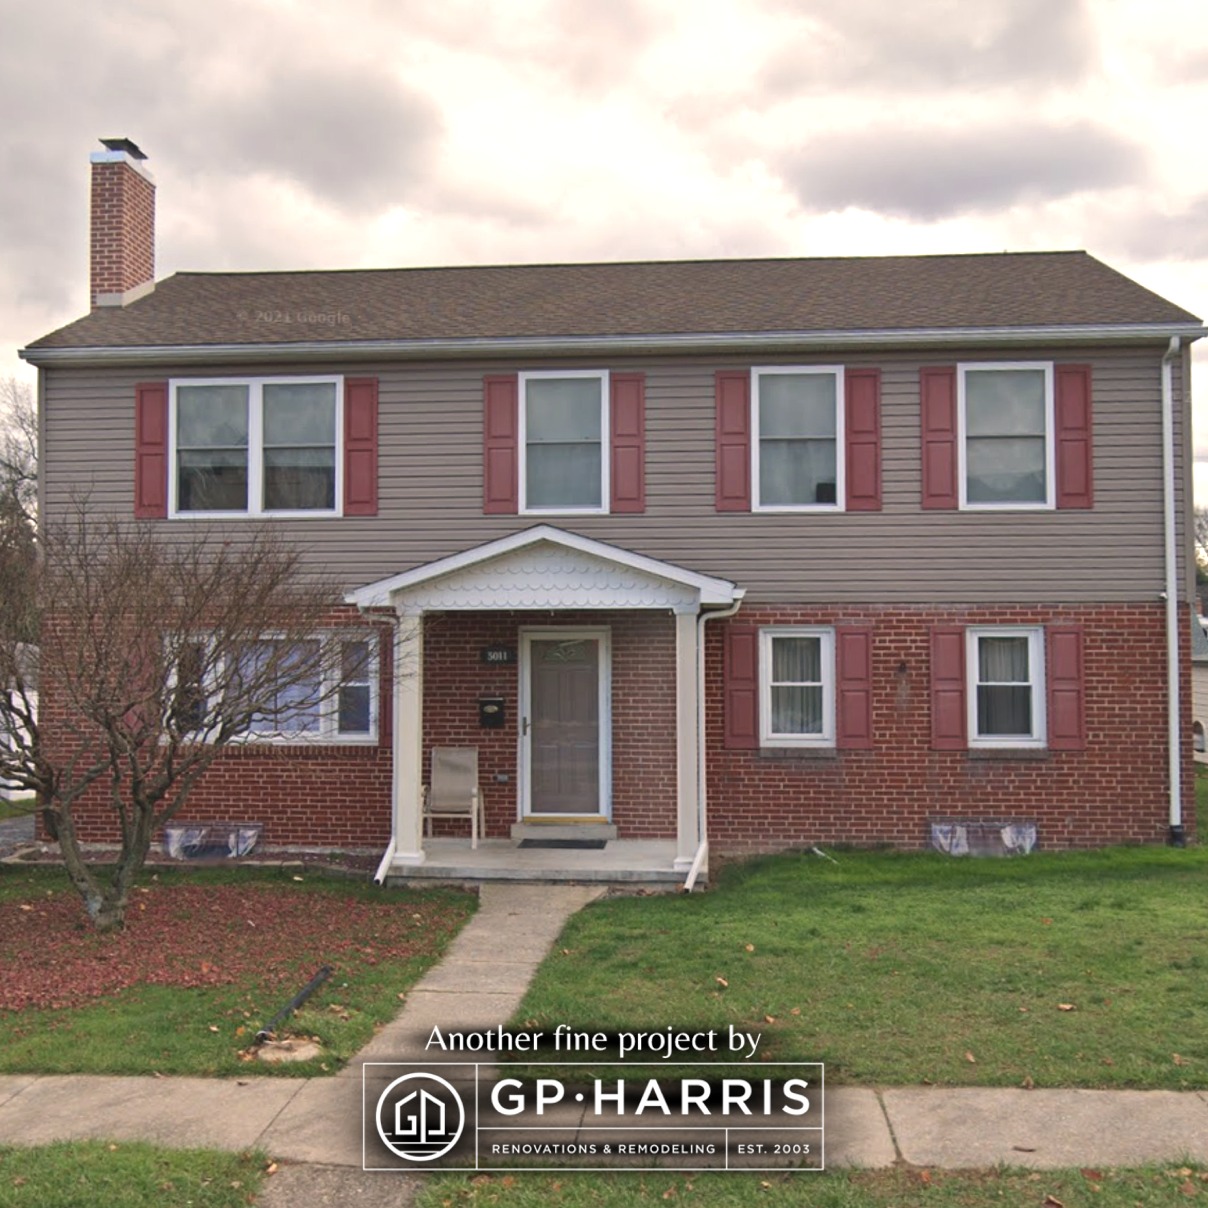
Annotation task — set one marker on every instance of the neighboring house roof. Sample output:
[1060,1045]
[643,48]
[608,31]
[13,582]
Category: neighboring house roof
[607,301]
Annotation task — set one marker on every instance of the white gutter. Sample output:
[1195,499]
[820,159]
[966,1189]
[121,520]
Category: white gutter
[706,342]
[1177,836]
[702,768]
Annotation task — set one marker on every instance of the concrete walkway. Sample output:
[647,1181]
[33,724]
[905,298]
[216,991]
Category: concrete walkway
[313,1127]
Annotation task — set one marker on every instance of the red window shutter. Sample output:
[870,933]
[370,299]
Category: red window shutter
[151,451]
[862,421]
[937,389]
[853,705]
[742,687]
[627,420]
[948,688]
[500,445]
[361,446]
[1067,715]
[1075,470]
[733,440]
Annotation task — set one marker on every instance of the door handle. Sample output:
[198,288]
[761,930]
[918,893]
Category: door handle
[524,727]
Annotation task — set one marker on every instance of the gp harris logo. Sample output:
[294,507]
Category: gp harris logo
[710,1116]
[420,1117]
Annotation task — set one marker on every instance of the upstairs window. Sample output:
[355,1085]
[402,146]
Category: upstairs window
[1006,426]
[798,439]
[563,448]
[261,446]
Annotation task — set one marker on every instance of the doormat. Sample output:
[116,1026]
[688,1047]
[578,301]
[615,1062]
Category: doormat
[573,844]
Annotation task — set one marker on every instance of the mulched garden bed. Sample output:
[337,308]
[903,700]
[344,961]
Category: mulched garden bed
[205,935]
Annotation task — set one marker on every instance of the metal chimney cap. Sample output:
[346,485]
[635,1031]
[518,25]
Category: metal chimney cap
[127,145]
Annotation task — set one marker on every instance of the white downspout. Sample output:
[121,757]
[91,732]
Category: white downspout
[702,771]
[1177,837]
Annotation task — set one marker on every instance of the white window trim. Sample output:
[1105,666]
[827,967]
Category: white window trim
[602,376]
[255,444]
[1035,635]
[328,734]
[1050,453]
[766,636]
[840,504]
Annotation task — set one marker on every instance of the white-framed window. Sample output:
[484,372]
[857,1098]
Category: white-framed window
[334,701]
[256,446]
[797,419]
[796,687]
[564,441]
[1005,419]
[1006,695]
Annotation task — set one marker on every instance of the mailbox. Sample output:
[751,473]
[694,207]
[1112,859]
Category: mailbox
[491,714]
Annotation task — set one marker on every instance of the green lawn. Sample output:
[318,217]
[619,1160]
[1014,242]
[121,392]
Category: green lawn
[126,1174]
[1086,969]
[15,809]
[206,958]
[1141,1188]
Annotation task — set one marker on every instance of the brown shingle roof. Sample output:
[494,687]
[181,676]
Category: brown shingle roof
[634,299]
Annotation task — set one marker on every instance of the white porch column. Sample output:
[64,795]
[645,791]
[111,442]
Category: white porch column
[687,750]
[408,779]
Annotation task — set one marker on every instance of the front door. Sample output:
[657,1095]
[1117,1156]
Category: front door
[564,722]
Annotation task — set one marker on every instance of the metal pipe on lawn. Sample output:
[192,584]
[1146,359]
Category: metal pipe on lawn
[294,1003]
[1177,837]
[702,771]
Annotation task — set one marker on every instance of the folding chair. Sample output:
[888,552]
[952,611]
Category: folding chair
[454,791]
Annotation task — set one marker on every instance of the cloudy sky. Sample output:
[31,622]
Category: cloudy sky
[405,132]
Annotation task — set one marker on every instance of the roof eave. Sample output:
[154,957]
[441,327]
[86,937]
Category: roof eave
[347,350]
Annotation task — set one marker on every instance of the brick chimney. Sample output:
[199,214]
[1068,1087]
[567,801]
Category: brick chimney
[123,225]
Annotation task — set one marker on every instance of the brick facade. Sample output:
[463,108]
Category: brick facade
[1114,791]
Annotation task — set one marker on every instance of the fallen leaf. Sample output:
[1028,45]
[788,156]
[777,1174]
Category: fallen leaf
[213,1027]
[239,1031]
[1024,1148]
[25,907]
[769,1019]
[1178,1060]
[1066,1006]
[970,1059]
[1189,1188]
[1027,1083]
[271,1168]
[1051,1201]
[1095,1176]
[924,1176]
[297,878]
[1024,1010]
[721,981]
[749,947]
[795,1011]
[1047,922]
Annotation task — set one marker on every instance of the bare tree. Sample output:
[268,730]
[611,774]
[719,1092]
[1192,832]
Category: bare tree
[154,656]
[18,450]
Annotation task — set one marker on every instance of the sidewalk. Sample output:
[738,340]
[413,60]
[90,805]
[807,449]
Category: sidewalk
[313,1127]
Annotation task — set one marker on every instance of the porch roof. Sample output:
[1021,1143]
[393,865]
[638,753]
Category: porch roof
[546,567]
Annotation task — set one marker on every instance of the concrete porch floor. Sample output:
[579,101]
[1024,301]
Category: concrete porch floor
[621,862]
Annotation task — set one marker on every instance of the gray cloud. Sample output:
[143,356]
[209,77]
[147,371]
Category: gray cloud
[927,175]
[1142,233]
[930,46]
[351,136]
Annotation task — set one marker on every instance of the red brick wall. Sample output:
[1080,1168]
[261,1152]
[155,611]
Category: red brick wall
[643,710]
[1113,792]
[313,795]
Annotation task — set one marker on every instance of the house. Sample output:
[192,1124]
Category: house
[1199,683]
[717,555]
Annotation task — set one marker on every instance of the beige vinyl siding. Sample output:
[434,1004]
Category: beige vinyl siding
[430,419]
